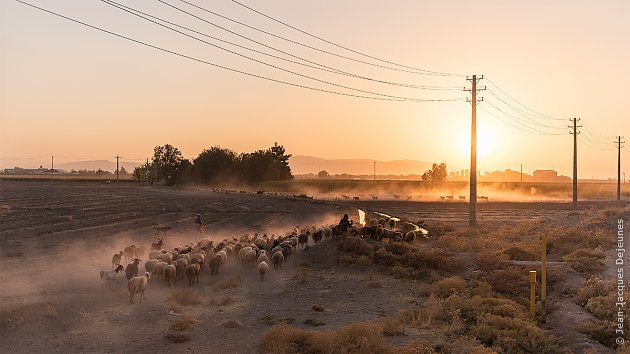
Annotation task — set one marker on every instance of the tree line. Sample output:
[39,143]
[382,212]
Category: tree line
[215,165]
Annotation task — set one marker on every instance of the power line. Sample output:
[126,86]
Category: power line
[415,71]
[343,47]
[522,114]
[265,63]
[510,124]
[543,116]
[221,66]
[316,65]
[520,122]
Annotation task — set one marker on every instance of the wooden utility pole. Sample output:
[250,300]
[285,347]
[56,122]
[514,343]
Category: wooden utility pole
[472,214]
[575,176]
[52,168]
[619,142]
[117,157]
[521,173]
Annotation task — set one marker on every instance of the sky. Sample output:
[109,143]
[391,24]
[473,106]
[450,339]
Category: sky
[80,94]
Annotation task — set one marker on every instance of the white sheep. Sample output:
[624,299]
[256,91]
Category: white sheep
[223,256]
[166,257]
[117,258]
[263,258]
[110,275]
[263,267]
[148,266]
[158,269]
[180,266]
[155,253]
[137,285]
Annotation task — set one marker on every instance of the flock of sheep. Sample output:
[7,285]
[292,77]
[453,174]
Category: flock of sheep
[261,252]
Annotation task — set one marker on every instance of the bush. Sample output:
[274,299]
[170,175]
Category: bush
[177,337]
[603,307]
[186,297]
[449,286]
[363,337]
[513,335]
[232,282]
[585,260]
[601,331]
[184,323]
[356,246]
[593,287]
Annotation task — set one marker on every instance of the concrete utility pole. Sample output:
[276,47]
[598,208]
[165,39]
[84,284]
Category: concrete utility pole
[472,214]
[374,170]
[575,176]
[619,142]
[117,157]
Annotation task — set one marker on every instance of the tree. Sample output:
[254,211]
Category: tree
[215,164]
[167,159]
[437,173]
[123,171]
[265,165]
[323,174]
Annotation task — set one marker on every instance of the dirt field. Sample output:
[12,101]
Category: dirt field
[56,237]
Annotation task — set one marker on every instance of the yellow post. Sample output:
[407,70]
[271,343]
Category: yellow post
[532,301]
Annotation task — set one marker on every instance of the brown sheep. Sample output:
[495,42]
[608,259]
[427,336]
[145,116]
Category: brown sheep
[117,258]
[277,259]
[192,271]
[132,269]
[170,273]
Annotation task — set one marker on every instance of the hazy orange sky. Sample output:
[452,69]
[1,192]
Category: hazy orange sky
[79,94]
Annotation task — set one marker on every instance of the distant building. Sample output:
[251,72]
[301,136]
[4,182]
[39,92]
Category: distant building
[549,176]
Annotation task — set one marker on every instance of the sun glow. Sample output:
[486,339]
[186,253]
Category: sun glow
[486,142]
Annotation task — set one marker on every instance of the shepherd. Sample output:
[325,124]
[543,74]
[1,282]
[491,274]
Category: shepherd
[199,224]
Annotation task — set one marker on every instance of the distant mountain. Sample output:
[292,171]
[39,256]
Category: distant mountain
[104,165]
[308,164]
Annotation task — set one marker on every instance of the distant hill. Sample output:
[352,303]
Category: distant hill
[104,165]
[308,164]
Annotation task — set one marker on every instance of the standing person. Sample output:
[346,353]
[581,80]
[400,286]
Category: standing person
[344,225]
[199,224]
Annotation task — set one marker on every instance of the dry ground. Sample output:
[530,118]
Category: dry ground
[56,237]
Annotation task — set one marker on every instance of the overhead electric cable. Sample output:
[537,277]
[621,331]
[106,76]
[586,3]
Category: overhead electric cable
[341,46]
[217,65]
[519,121]
[543,116]
[415,71]
[316,65]
[268,64]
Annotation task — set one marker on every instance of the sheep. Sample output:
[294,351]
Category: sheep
[166,258]
[139,252]
[317,236]
[199,258]
[327,232]
[148,266]
[180,266]
[192,271]
[169,274]
[110,275]
[117,258]
[132,269]
[130,251]
[215,264]
[157,245]
[392,224]
[302,240]
[223,256]
[242,254]
[263,257]
[263,267]
[158,269]
[277,260]
[185,256]
[153,254]
[410,236]
[137,285]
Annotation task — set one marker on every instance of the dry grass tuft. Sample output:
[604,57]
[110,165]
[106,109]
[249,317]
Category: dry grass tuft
[363,337]
[317,308]
[302,274]
[393,327]
[225,300]
[177,337]
[185,297]
[314,322]
[601,331]
[232,324]
[51,312]
[273,320]
[232,282]
[184,323]
[585,260]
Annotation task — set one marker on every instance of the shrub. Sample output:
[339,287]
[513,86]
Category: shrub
[182,324]
[512,282]
[513,335]
[603,307]
[585,260]
[356,246]
[232,282]
[225,300]
[521,254]
[363,337]
[232,324]
[593,287]
[177,337]
[449,286]
[601,331]
[186,297]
